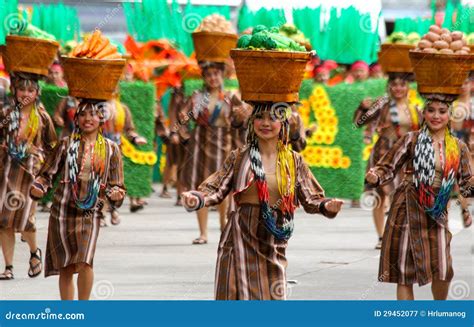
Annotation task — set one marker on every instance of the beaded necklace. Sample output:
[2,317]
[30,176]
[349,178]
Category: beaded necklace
[425,170]
[97,158]
[286,179]
[18,145]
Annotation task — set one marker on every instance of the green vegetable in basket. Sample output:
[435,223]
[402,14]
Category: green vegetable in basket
[26,29]
[244,41]
[266,40]
[259,28]
[470,39]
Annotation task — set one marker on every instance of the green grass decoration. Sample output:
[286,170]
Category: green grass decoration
[345,98]
[57,19]
[268,17]
[8,16]
[333,40]
[154,19]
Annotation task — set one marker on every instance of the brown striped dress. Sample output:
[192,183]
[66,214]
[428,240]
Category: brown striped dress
[17,208]
[209,143]
[379,121]
[251,263]
[415,248]
[73,232]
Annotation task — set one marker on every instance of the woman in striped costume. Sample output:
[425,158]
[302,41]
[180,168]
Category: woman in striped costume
[391,116]
[416,241]
[27,138]
[267,180]
[90,170]
[214,112]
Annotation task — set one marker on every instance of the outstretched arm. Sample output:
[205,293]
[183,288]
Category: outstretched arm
[214,189]
[311,195]
[388,166]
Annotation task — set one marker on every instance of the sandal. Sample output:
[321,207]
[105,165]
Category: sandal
[178,202]
[37,267]
[165,195]
[135,208]
[199,241]
[8,274]
[466,218]
[115,218]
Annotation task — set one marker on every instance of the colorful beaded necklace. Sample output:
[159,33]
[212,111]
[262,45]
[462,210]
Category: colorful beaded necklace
[424,165]
[18,145]
[97,157]
[286,179]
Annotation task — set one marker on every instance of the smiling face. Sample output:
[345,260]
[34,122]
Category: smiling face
[436,115]
[266,127]
[398,88]
[89,121]
[26,95]
[213,77]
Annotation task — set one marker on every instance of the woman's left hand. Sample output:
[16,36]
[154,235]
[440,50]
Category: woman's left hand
[333,205]
[116,193]
[140,140]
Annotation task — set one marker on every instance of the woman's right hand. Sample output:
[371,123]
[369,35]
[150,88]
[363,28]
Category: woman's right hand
[36,192]
[190,201]
[371,177]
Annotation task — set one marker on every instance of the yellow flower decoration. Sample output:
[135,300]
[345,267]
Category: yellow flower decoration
[320,151]
[137,156]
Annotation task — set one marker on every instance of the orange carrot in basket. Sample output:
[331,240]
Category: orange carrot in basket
[113,56]
[95,38]
[77,49]
[85,46]
[104,42]
[108,50]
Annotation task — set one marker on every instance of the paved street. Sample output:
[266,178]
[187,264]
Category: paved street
[150,256]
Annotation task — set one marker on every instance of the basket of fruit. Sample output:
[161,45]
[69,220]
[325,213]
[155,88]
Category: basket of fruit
[441,61]
[93,69]
[213,39]
[269,66]
[29,54]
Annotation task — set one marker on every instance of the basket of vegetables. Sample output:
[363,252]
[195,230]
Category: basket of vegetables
[213,39]
[29,54]
[94,68]
[443,49]
[269,66]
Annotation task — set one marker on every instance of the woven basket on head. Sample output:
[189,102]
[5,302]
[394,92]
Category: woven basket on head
[266,75]
[213,46]
[92,78]
[440,73]
[29,55]
[394,58]
[471,46]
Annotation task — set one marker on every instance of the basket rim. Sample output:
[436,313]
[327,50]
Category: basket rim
[270,53]
[30,39]
[419,54]
[92,61]
[406,46]
[233,35]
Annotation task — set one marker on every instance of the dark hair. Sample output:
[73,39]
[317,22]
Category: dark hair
[205,65]
[409,77]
